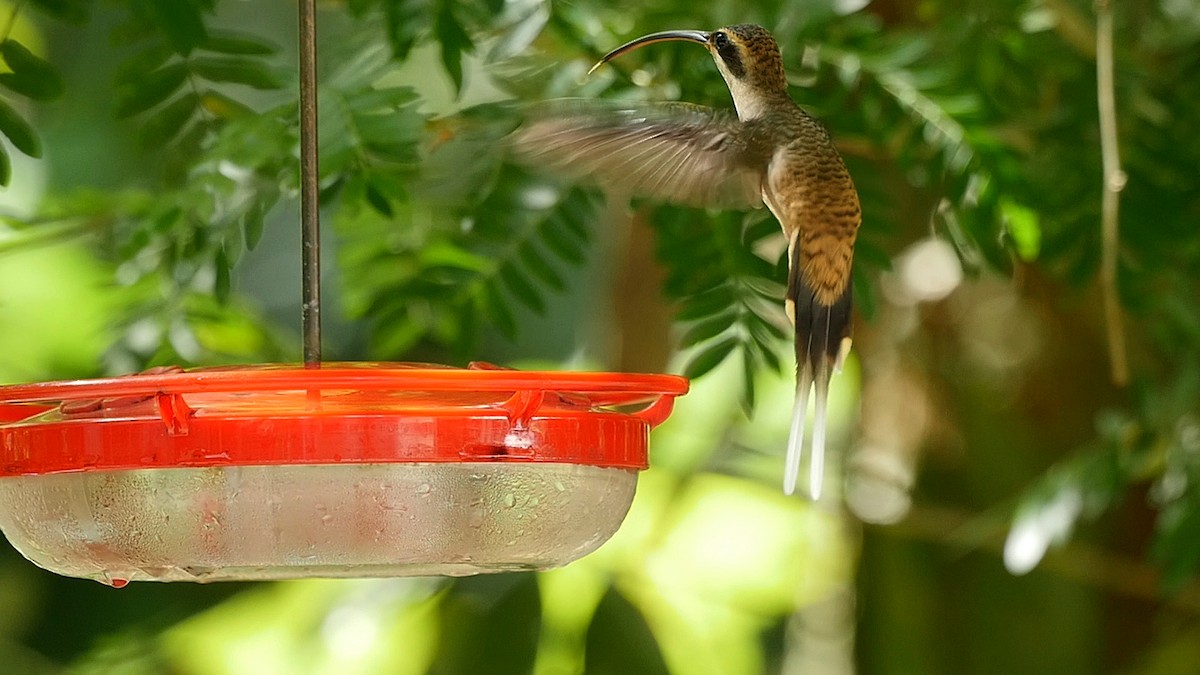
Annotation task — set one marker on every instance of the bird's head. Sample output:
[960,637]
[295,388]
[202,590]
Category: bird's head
[746,55]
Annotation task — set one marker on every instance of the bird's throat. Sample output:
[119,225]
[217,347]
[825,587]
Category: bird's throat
[750,102]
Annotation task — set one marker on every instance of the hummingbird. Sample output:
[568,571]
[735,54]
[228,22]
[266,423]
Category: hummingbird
[771,151]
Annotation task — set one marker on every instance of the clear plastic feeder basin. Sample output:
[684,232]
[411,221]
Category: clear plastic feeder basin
[272,472]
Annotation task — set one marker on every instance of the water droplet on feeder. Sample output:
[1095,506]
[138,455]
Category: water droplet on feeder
[475,519]
[424,489]
[510,500]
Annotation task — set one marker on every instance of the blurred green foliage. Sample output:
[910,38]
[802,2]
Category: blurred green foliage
[970,125]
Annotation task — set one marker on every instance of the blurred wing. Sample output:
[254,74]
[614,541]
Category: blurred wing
[676,152]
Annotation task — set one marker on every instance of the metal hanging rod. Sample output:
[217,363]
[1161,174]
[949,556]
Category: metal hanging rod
[310,215]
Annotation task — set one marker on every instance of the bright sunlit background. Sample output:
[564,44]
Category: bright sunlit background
[996,504]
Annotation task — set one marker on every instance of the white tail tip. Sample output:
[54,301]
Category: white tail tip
[795,445]
[795,448]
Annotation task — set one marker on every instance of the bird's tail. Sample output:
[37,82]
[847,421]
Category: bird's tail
[822,338]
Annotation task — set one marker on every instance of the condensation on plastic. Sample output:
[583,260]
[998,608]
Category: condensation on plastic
[277,522]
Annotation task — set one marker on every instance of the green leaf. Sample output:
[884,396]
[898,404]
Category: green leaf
[236,70]
[402,154]
[377,201]
[389,136]
[537,264]
[453,41]
[150,90]
[560,242]
[71,11]
[1177,544]
[708,328]
[709,357]
[762,331]
[252,225]
[520,32]
[399,337]
[406,20]
[31,76]
[462,338]
[223,281]
[234,245]
[191,141]
[757,226]
[391,184]
[496,624]
[165,124]
[180,20]
[1023,228]
[707,303]
[864,295]
[619,640]
[382,99]
[522,288]
[232,42]
[749,367]
[388,128]
[868,253]
[497,310]
[445,254]
[763,347]
[167,220]
[18,131]
[224,107]
[5,167]
[134,69]
[577,219]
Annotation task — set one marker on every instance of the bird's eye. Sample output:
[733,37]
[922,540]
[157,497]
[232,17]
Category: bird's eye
[720,40]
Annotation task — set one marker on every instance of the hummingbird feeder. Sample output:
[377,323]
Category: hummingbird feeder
[321,469]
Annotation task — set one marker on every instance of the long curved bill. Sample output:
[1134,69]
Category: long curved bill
[665,36]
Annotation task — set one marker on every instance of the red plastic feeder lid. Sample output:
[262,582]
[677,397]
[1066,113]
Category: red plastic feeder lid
[338,413]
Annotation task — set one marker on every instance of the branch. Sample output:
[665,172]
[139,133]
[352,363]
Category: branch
[1088,565]
[1114,182]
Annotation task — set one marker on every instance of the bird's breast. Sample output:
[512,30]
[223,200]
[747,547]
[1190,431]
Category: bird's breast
[810,192]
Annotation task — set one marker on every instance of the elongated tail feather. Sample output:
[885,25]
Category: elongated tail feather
[818,387]
[816,471]
[821,329]
[796,437]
